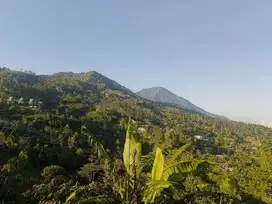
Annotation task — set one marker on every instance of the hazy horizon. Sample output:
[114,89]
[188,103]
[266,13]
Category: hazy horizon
[215,54]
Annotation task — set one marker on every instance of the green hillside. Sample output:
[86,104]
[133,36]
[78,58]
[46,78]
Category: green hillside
[84,138]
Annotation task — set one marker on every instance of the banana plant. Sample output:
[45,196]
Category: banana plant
[166,174]
[132,151]
[132,161]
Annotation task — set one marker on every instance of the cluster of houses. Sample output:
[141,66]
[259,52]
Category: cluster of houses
[31,102]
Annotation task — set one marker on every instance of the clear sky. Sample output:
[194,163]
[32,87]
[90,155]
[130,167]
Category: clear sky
[217,54]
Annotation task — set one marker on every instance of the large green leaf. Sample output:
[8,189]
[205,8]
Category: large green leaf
[177,153]
[179,170]
[158,166]
[70,197]
[127,147]
[132,150]
[153,189]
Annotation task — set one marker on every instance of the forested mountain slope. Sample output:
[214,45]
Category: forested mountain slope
[64,134]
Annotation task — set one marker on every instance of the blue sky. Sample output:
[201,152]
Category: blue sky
[217,54]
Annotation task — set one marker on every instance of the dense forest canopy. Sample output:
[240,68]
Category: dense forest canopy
[83,138]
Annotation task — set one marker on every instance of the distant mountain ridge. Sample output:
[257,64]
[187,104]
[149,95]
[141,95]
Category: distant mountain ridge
[94,86]
[160,94]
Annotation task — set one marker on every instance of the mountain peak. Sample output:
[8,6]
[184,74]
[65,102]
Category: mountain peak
[156,91]
[161,94]
[160,89]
